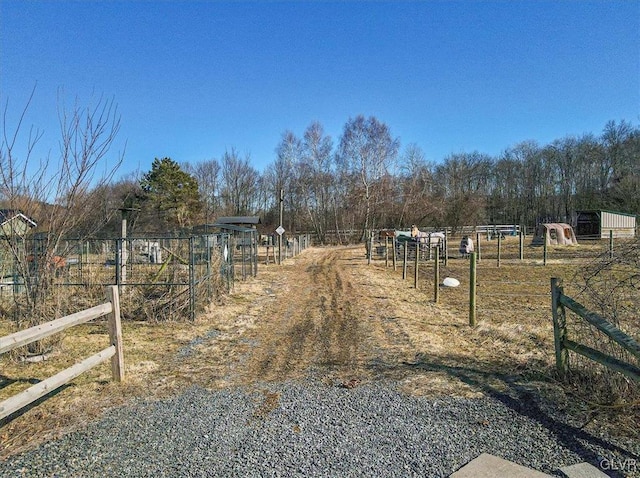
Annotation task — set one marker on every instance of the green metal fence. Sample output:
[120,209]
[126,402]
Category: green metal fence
[158,277]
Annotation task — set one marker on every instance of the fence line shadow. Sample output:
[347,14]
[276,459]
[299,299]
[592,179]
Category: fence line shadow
[522,401]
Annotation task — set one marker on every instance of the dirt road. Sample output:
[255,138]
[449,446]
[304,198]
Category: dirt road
[326,315]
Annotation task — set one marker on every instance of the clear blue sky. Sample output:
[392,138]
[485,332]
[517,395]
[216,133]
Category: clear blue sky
[192,79]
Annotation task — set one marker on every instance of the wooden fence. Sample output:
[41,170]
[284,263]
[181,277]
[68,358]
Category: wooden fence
[27,336]
[563,344]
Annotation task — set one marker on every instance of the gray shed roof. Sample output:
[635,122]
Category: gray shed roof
[232,227]
[239,220]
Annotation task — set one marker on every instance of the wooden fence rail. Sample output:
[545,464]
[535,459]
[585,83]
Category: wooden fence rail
[562,343]
[39,332]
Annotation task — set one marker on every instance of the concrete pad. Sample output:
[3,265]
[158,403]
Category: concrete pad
[583,470]
[490,466]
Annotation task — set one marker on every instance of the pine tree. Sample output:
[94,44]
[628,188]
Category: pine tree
[171,193]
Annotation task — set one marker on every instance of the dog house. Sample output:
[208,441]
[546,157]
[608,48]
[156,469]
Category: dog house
[555,233]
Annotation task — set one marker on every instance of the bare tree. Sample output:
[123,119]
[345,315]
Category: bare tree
[239,184]
[417,189]
[286,177]
[207,174]
[462,183]
[58,192]
[316,178]
[366,151]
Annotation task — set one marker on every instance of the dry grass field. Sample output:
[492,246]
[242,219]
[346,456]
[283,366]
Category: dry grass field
[329,316]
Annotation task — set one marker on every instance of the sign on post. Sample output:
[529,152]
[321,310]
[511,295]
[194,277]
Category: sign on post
[280,230]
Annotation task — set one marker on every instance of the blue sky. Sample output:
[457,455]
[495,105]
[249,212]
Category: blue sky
[192,79]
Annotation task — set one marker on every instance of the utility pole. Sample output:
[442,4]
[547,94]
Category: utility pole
[280,235]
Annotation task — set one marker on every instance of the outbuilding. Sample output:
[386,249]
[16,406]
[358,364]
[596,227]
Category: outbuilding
[599,224]
[554,233]
[13,223]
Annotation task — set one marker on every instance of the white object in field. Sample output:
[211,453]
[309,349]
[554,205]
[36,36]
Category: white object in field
[450,282]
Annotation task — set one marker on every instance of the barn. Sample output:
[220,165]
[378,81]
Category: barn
[598,224]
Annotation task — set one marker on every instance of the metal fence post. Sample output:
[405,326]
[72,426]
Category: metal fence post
[192,280]
[254,252]
[209,278]
[118,263]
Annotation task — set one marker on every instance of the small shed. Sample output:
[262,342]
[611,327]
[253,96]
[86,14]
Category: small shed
[554,233]
[13,225]
[598,224]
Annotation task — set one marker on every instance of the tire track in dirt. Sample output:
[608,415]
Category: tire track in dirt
[333,318]
[310,329]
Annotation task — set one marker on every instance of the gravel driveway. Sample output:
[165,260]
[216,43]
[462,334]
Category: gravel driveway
[307,429]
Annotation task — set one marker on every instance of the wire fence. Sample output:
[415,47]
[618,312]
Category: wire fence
[513,297]
[160,278]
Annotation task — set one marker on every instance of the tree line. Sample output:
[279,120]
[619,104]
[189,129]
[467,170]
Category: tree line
[337,190]
[366,181]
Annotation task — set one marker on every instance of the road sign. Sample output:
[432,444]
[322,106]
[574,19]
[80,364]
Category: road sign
[280,230]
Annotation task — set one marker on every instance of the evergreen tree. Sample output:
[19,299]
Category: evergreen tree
[171,193]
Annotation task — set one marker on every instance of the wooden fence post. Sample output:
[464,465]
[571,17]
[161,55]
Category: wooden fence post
[446,247]
[544,251]
[610,243]
[499,246]
[370,248]
[386,251]
[415,269]
[115,334]
[478,245]
[521,245]
[436,276]
[404,261]
[559,327]
[393,251]
[472,289]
